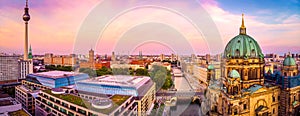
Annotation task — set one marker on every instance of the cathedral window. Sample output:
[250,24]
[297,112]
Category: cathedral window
[235,112]
[237,52]
[285,74]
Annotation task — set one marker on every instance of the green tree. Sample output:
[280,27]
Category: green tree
[89,71]
[141,72]
[161,76]
[103,71]
[158,74]
[159,79]
[168,83]
[120,71]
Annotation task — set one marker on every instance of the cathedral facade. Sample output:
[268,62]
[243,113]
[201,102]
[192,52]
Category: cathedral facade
[243,91]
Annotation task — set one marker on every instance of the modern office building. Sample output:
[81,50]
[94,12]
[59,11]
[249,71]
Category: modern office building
[9,68]
[140,87]
[26,95]
[60,103]
[26,67]
[55,79]
[34,83]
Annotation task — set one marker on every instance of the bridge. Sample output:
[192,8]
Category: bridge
[179,93]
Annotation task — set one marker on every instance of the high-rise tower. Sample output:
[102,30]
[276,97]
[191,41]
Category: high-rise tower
[26,64]
[26,18]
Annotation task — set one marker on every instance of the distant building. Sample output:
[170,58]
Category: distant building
[63,60]
[92,63]
[162,57]
[200,73]
[164,64]
[136,64]
[9,69]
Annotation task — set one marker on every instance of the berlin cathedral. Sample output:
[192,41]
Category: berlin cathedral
[244,88]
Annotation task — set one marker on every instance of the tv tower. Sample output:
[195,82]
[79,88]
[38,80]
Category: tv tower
[26,64]
[26,18]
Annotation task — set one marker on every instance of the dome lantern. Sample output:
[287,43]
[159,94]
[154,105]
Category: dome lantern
[243,28]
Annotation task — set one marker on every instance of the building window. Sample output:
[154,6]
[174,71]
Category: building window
[235,112]
[273,98]
[294,97]
[285,74]
[245,106]
[273,110]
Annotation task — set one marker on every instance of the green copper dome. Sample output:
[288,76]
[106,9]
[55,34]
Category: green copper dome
[243,46]
[289,61]
[210,67]
[234,74]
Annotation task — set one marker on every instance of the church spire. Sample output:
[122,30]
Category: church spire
[243,28]
[30,53]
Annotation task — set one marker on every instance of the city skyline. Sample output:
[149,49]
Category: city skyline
[49,32]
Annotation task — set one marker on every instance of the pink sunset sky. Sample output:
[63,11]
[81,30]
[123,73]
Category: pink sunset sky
[54,26]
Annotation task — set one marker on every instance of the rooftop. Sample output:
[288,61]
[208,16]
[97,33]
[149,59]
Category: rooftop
[55,74]
[118,80]
[19,113]
[117,100]
[7,101]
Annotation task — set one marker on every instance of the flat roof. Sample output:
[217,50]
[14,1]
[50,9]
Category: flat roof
[5,103]
[19,113]
[118,80]
[56,74]
[117,101]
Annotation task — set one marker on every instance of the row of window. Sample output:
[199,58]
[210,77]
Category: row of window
[62,104]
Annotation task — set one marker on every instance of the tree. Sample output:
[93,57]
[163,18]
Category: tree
[141,72]
[158,74]
[103,71]
[159,79]
[120,71]
[161,76]
[168,83]
[89,71]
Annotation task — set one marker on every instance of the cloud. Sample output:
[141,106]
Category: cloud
[282,35]
[292,19]
[54,25]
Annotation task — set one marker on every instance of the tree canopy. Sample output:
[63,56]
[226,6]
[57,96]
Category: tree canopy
[161,76]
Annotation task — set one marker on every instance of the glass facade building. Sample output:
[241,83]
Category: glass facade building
[60,78]
[114,84]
